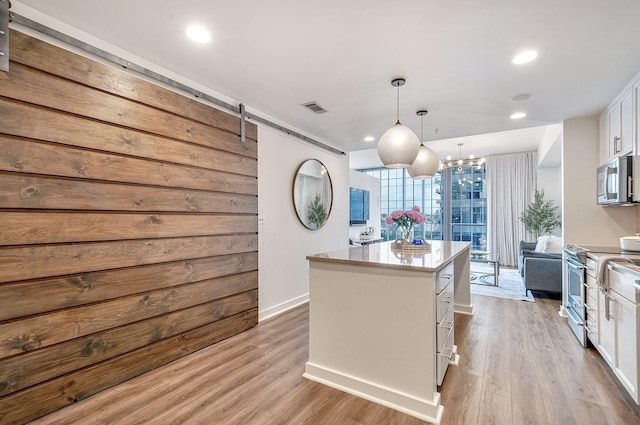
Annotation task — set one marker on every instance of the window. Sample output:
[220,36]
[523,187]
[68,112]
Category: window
[454,201]
[468,206]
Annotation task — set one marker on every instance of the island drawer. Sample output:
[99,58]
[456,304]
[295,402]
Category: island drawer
[444,277]
[591,325]
[443,358]
[444,300]
[444,328]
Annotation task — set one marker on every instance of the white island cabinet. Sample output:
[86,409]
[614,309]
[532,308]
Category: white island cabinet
[381,322]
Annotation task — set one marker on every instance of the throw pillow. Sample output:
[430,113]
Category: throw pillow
[541,246]
[554,244]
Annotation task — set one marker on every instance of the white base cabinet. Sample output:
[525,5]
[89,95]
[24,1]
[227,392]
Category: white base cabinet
[617,326]
[626,361]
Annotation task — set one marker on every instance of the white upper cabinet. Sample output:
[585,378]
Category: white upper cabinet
[620,127]
[625,140]
[619,124]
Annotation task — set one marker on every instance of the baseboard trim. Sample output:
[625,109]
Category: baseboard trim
[282,307]
[463,309]
[430,411]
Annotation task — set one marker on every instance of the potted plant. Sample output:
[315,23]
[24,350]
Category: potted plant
[541,216]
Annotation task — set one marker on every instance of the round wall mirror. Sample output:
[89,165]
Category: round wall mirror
[312,194]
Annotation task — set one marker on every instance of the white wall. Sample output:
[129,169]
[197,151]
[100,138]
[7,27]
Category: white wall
[583,221]
[372,184]
[283,241]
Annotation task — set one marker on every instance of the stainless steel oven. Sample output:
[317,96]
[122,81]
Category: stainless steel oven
[575,275]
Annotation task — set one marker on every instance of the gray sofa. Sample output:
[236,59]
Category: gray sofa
[541,271]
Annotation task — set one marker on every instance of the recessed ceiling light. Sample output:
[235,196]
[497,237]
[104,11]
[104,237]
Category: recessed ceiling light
[518,115]
[369,139]
[198,34]
[520,97]
[524,57]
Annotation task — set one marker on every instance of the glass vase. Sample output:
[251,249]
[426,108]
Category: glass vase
[405,234]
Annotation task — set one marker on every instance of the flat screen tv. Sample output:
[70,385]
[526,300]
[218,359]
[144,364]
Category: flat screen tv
[358,206]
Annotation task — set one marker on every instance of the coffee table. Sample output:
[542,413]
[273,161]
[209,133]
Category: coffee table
[489,258]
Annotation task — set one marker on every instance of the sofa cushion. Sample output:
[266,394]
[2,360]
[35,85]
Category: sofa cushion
[550,244]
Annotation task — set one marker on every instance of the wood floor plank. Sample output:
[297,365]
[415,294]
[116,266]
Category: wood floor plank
[465,396]
[527,401]
[495,409]
[474,356]
[498,356]
[255,378]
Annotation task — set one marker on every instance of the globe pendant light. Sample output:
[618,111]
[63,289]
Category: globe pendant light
[398,146]
[427,162]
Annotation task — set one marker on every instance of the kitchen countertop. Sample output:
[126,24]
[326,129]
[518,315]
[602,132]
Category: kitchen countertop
[384,255]
[632,269]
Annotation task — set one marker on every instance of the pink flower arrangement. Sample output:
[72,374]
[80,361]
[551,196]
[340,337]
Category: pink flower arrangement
[405,220]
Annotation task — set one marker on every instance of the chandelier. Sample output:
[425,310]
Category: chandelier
[461,162]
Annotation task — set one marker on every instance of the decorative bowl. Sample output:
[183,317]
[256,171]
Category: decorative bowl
[630,243]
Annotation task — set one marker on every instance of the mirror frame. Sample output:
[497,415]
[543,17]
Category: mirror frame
[298,204]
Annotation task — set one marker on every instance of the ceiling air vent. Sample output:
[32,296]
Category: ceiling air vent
[315,107]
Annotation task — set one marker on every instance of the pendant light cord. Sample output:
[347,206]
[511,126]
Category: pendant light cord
[398,106]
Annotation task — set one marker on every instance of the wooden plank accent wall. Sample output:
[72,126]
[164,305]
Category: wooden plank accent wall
[128,228]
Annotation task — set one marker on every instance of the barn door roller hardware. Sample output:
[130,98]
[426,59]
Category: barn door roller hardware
[5,5]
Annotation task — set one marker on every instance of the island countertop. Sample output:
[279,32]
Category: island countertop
[385,255]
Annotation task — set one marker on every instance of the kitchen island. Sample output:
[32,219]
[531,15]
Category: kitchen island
[381,321]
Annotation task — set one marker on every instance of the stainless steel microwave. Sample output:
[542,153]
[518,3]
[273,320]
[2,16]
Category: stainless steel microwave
[616,181]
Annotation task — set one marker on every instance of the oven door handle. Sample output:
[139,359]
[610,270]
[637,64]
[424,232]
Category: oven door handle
[574,264]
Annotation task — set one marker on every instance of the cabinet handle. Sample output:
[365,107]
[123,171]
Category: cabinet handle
[616,139]
[589,331]
[448,325]
[446,300]
[444,353]
[607,307]
[446,276]
[589,307]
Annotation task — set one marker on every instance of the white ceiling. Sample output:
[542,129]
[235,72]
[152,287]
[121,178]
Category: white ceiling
[274,55]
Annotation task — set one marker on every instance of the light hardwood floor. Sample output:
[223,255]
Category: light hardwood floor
[519,365]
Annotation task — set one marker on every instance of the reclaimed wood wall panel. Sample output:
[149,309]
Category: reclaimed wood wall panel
[38,88]
[64,129]
[46,57]
[26,228]
[128,227]
[57,160]
[19,407]
[23,191]
[73,290]
[66,357]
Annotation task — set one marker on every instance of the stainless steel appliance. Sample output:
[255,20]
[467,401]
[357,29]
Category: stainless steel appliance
[575,259]
[616,181]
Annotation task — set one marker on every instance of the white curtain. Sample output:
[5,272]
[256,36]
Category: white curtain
[511,184]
